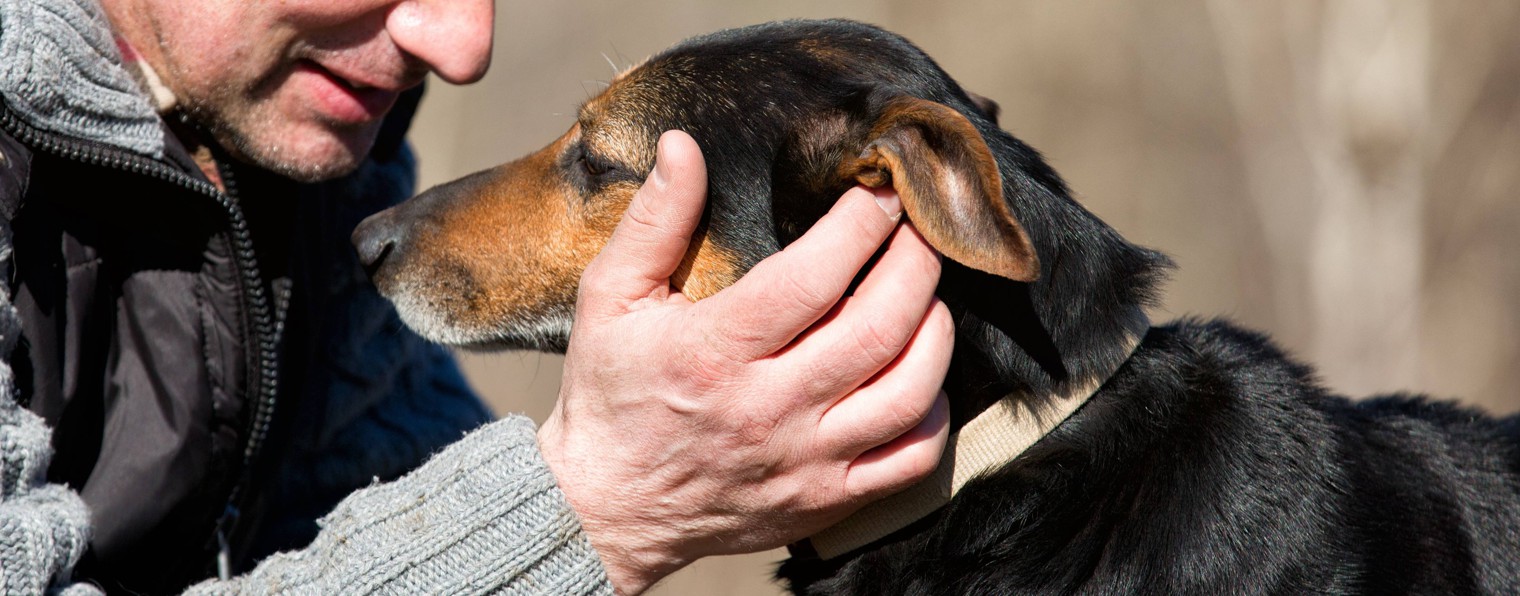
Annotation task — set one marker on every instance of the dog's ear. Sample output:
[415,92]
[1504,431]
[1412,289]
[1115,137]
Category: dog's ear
[949,183]
[988,107]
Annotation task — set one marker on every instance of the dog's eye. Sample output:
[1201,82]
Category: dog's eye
[592,166]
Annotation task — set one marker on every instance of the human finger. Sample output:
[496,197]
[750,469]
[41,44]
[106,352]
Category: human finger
[871,326]
[899,397]
[652,238]
[905,460]
[783,294]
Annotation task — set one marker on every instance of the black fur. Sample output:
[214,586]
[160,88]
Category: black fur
[1210,463]
[754,99]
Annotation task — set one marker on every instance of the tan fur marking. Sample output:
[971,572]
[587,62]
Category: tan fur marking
[508,246]
[518,244]
[706,268]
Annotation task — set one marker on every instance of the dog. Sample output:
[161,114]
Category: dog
[1192,457]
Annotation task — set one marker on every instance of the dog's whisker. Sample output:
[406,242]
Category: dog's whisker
[615,69]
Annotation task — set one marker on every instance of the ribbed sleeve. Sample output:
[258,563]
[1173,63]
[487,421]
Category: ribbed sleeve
[483,516]
[43,528]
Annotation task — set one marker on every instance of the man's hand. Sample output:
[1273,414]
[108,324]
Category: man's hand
[757,416]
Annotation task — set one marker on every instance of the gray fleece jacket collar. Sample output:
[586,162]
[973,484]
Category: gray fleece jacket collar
[62,74]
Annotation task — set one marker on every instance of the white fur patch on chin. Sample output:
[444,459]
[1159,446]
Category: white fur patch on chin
[547,332]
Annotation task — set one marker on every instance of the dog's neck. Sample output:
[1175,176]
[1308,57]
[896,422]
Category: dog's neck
[1027,354]
[988,440]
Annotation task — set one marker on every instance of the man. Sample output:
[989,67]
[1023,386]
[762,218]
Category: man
[177,184]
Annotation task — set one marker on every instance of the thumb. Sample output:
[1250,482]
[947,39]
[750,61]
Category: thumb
[652,238]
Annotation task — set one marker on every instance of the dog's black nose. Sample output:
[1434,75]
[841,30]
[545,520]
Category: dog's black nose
[375,238]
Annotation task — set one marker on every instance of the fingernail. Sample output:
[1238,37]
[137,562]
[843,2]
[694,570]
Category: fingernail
[659,177]
[891,204]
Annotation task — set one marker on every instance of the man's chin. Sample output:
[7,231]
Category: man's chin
[313,153]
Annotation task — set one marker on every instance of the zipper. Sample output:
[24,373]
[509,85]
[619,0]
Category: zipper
[273,322]
[263,378]
[263,413]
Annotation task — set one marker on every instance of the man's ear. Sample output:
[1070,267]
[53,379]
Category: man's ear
[949,183]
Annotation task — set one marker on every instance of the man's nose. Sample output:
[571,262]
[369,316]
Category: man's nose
[453,37]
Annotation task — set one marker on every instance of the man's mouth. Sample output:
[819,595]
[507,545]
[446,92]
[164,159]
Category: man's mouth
[340,99]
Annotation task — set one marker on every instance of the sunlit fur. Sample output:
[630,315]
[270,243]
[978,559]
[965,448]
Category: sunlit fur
[1208,463]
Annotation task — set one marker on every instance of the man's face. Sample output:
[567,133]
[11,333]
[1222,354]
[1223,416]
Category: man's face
[301,86]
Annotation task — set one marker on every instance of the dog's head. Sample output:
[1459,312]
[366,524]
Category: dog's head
[789,115]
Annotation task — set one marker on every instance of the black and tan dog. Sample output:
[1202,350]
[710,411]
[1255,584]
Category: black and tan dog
[1199,458]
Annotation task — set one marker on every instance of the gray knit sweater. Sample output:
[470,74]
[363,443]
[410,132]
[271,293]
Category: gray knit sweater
[484,515]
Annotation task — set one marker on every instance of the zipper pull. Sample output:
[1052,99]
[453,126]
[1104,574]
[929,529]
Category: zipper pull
[223,551]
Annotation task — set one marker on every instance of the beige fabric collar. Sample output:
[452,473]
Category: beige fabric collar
[993,438]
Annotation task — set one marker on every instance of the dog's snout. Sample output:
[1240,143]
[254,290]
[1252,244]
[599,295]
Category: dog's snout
[375,238]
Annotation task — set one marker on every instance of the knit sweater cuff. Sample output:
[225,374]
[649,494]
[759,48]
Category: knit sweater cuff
[484,515]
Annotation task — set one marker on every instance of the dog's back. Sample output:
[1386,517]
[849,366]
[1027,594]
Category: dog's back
[1210,463]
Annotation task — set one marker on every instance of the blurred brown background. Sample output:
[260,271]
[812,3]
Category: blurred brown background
[1344,175]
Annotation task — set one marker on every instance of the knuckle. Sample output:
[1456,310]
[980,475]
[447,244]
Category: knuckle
[823,385]
[701,370]
[866,221]
[591,280]
[926,265]
[861,239]
[800,290]
[939,321]
[596,295]
[924,255]
[906,411]
[823,382]
[918,464]
[734,344]
[879,339]
[908,467]
[713,362]
[640,213]
[760,425]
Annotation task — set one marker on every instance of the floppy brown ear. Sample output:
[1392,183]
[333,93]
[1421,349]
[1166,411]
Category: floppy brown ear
[949,183]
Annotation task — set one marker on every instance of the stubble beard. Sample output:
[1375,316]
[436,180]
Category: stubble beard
[251,136]
[248,125]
